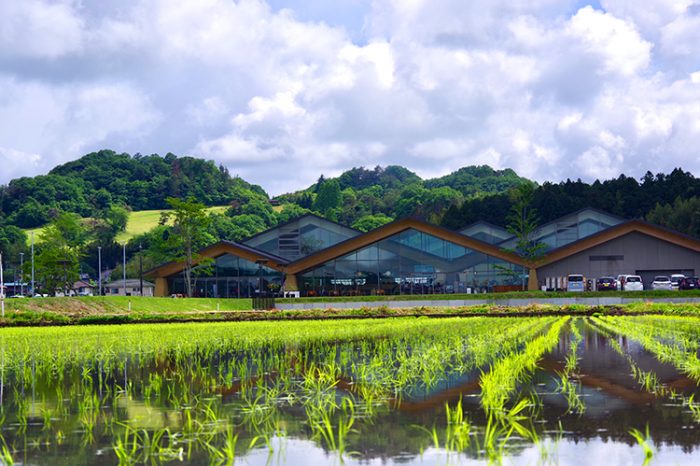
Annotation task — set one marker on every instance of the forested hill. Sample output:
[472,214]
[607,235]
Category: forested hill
[366,198]
[363,198]
[104,178]
[671,200]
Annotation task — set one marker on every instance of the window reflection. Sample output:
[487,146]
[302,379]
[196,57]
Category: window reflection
[229,276]
[411,262]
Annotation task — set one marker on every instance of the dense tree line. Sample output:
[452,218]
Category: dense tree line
[624,196]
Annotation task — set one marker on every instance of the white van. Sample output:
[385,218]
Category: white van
[575,282]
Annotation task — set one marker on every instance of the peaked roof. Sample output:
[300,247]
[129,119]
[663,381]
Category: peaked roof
[617,231]
[219,249]
[296,219]
[577,213]
[490,225]
[391,229]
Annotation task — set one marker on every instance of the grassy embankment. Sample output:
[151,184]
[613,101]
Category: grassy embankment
[497,296]
[138,223]
[122,310]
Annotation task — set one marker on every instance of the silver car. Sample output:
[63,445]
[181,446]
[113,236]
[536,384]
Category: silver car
[662,282]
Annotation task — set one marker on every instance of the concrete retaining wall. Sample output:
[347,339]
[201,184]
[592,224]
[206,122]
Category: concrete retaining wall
[601,301]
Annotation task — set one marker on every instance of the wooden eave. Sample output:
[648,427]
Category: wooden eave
[219,249]
[617,231]
[393,228]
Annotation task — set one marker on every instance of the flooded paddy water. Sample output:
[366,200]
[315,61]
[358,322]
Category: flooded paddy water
[410,391]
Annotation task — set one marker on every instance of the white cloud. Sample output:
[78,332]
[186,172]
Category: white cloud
[542,87]
[616,40]
[38,29]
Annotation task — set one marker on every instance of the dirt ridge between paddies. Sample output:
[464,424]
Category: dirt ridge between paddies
[17,318]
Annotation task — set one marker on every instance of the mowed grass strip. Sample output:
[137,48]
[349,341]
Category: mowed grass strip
[139,222]
[124,304]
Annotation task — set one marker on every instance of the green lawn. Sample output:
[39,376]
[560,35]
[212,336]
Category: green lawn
[139,222]
[491,296]
[118,304]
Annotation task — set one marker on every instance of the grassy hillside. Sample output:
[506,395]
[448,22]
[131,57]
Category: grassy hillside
[138,223]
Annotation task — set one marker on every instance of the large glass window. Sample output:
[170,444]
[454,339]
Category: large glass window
[411,262]
[229,276]
[301,237]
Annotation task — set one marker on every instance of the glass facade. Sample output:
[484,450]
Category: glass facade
[229,276]
[411,262]
[568,229]
[301,237]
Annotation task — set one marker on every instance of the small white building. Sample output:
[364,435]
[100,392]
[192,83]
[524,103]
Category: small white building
[82,288]
[130,287]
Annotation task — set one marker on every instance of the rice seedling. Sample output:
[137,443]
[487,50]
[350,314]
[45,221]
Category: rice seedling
[644,441]
[214,393]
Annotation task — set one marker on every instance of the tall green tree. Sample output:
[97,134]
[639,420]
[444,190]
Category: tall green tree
[188,234]
[328,197]
[523,221]
[60,248]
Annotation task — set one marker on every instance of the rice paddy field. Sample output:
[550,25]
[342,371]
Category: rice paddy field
[568,390]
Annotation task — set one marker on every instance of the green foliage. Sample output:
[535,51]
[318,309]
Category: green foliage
[188,234]
[290,212]
[109,223]
[60,247]
[477,180]
[13,240]
[328,197]
[370,222]
[100,179]
[523,221]
[683,215]
[623,196]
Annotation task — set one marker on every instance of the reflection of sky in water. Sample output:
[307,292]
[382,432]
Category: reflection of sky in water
[562,453]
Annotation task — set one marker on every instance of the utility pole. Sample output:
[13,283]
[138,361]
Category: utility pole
[99,270]
[124,267]
[21,273]
[33,289]
[2,288]
[140,270]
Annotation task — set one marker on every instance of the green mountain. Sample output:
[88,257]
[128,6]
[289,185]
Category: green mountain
[97,180]
[478,180]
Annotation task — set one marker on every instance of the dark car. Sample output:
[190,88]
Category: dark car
[606,283]
[688,283]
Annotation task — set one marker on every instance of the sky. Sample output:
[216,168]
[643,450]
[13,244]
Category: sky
[283,91]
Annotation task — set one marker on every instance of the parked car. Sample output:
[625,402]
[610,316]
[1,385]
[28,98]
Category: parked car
[606,284]
[575,282]
[675,279]
[633,283]
[620,282]
[662,282]
[688,283]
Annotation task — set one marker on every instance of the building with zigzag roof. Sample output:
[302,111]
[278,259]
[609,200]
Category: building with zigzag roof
[317,257]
